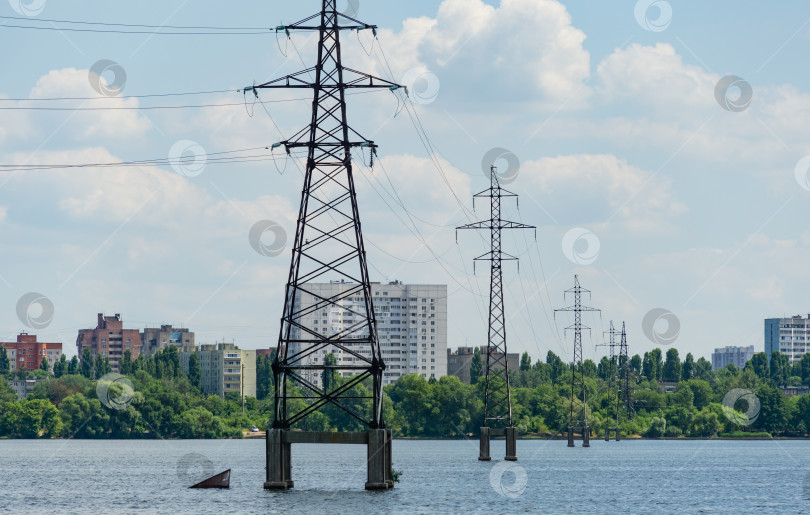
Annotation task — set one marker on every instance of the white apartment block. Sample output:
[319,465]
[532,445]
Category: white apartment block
[411,327]
[789,336]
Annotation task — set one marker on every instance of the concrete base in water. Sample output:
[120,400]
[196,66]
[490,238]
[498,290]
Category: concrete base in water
[510,433]
[279,454]
[483,444]
[611,430]
[586,435]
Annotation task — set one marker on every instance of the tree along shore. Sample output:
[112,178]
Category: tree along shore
[156,400]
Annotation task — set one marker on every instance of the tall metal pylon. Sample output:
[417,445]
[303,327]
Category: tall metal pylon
[624,377]
[576,369]
[328,239]
[497,393]
[612,375]
[328,244]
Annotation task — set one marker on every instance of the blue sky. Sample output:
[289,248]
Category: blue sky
[684,205]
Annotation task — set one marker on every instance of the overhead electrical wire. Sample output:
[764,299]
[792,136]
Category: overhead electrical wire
[106,24]
[214,157]
[139,108]
[105,97]
[108,28]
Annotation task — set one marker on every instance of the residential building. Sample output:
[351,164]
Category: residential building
[789,336]
[224,368]
[792,391]
[155,339]
[27,352]
[411,326]
[738,356]
[110,340]
[668,386]
[266,353]
[22,387]
[458,361]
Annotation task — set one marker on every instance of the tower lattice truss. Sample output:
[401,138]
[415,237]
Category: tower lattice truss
[498,397]
[328,243]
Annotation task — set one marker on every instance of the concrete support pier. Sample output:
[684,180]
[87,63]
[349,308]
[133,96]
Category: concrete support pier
[511,444]
[379,460]
[483,453]
[279,454]
[279,467]
[586,435]
[509,433]
[611,430]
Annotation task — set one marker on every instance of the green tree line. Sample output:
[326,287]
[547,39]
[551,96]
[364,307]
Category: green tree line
[164,402]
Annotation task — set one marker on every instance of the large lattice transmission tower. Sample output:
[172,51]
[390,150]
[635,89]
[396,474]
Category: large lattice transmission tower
[328,244]
[497,396]
[580,421]
[611,390]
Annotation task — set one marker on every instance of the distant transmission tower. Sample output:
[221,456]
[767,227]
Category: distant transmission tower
[624,378]
[578,384]
[612,376]
[497,396]
[328,244]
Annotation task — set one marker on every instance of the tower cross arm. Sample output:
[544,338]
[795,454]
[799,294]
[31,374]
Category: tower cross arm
[500,224]
[306,24]
[351,79]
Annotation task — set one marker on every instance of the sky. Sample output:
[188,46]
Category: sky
[661,149]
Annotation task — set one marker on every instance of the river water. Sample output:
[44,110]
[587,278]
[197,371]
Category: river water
[81,476]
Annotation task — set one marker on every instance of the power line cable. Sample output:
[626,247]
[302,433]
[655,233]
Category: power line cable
[107,24]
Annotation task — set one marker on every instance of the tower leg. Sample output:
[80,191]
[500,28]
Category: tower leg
[617,434]
[483,454]
[278,460]
[607,433]
[379,460]
[570,436]
[586,436]
[511,444]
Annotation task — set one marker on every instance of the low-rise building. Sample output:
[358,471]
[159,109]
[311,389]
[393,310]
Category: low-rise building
[158,338]
[791,391]
[22,387]
[737,356]
[27,352]
[224,368]
[458,361]
[110,340]
[266,353]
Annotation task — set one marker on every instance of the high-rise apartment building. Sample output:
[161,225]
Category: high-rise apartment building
[789,336]
[224,368]
[27,352]
[738,356]
[154,339]
[110,340]
[411,326]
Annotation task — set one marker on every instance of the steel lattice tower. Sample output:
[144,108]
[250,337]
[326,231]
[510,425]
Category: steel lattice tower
[497,396]
[624,377]
[576,368]
[611,377]
[328,238]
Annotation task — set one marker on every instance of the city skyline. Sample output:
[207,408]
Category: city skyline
[659,195]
